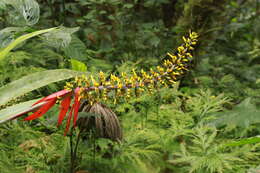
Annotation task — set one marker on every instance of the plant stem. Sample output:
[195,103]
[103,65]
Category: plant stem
[146,115]
[94,149]
[71,154]
[158,98]
[52,11]
[63,11]
[76,147]
[73,151]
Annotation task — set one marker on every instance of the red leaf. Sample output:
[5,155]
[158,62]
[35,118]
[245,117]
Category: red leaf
[65,104]
[76,107]
[42,110]
[54,95]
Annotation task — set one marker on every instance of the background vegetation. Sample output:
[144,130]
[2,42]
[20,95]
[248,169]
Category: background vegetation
[208,123]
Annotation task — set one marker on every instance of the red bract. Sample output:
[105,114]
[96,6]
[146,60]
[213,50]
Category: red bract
[68,121]
[50,100]
[76,106]
[65,105]
[53,96]
[42,110]
[75,110]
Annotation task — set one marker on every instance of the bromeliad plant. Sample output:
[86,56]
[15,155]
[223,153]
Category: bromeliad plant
[102,88]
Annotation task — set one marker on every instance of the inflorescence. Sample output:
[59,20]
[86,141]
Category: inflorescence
[97,89]
[102,88]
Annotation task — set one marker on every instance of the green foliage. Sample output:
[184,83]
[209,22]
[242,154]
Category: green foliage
[78,66]
[21,39]
[21,155]
[10,112]
[76,49]
[252,140]
[208,123]
[242,115]
[231,63]
[254,170]
[204,153]
[22,12]
[164,138]
[204,104]
[32,82]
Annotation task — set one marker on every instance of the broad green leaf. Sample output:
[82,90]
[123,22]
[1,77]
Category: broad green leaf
[32,82]
[15,110]
[30,11]
[21,39]
[60,38]
[23,12]
[252,140]
[242,115]
[76,49]
[78,65]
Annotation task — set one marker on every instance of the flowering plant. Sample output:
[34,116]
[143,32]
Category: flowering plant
[94,90]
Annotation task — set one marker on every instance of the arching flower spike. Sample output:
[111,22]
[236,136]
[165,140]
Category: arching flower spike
[95,90]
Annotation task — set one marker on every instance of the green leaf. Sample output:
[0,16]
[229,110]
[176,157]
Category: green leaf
[76,49]
[155,41]
[21,39]
[12,111]
[242,115]
[252,140]
[60,38]
[23,12]
[32,82]
[78,65]
[128,6]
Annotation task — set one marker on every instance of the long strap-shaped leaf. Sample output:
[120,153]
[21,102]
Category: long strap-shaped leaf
[19,109]
[21,39]
[34,81]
